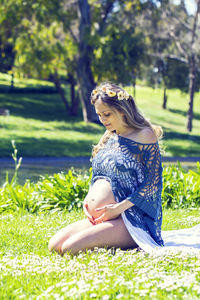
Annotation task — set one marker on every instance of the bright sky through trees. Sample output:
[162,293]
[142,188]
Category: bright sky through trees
[190,5]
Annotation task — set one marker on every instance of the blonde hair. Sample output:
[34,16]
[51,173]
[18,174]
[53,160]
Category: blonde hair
[132,116]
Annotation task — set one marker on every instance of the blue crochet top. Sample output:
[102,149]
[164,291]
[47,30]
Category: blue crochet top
[134,171]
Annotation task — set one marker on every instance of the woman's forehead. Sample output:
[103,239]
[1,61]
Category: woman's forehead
[101,107]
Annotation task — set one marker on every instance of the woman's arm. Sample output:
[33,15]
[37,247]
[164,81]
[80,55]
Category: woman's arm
[112,211]
[124,205]
[85,209]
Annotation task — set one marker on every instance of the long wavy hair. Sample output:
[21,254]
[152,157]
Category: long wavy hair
[132,117]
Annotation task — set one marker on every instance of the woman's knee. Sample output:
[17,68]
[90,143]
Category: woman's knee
[52,244]
[74,244]
[55,244]
[68,246]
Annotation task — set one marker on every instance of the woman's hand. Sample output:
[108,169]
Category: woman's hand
[109,212]
[85,209]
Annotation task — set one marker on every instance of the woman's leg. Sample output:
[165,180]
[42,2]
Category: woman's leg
[111,233]
[63,234]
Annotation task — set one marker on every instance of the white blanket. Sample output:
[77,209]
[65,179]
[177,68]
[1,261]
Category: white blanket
[182,239]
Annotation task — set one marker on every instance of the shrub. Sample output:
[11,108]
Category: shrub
[15,198]
[181,189]
[58,192]
[62,191]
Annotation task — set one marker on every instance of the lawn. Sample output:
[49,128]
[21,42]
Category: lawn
[176,140]
[40,125]
[29,271]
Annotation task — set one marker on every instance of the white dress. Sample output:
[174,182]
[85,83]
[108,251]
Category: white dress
[181,240]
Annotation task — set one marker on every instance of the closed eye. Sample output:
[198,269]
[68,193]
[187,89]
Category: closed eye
[105,115]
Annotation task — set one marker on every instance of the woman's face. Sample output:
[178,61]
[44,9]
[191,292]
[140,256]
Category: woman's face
[108,117]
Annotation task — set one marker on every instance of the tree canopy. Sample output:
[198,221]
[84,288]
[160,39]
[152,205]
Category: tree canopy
[87,41]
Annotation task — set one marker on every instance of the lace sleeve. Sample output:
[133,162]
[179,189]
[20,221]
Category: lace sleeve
[147,196]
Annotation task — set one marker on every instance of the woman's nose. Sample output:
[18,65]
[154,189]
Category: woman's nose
[103,119]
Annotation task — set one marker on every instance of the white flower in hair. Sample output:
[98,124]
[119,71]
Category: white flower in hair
[94,92]
[110,93]
[120,95]
[126,95]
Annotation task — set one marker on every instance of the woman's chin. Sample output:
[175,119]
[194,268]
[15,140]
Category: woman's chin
[109,128]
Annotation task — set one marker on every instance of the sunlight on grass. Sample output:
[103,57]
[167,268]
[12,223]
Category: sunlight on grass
[54,138]
[5,79]
[27,268]
[41,119]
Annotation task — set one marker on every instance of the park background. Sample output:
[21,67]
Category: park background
[52,54]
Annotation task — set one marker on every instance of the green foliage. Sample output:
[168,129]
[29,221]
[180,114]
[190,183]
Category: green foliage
[58,192]
[67,191]
[42,45]
[62,191]
[19,198]
[181,189]
[17,163]
[126,45]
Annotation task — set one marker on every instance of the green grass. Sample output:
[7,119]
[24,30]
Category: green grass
[29,271]
[41,127]
[48,138]
[177,141]
[5,80]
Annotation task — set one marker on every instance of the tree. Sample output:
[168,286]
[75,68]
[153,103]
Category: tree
[10,18]
[97,22]
[83,33]
[141,20]
[44,52]
[154,66]
[84,73]
[119,56]
[183,31]
[104,34]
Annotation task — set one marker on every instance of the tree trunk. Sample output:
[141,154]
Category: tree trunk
[74,99]
[84,74]
[12,81]
[164,106]
[134,85]
[192,69]
[192,75]
[57,83]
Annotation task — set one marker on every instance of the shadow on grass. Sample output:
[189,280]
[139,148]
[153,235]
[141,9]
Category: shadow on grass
[44,107]
[82,127]
[32,147]
[182,149]
[184,113]
[181,136]
[44,147]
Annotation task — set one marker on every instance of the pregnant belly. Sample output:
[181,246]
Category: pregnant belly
[100,194]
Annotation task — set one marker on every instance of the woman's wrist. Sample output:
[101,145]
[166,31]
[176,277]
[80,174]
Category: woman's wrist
[124,205]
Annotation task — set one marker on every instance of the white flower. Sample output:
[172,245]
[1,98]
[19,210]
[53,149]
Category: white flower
[120,95]
[110,93]
[126,95]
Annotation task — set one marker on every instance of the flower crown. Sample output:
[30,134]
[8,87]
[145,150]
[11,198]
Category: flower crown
[121,95]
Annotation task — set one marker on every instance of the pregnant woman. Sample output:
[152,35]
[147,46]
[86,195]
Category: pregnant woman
[123,205]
